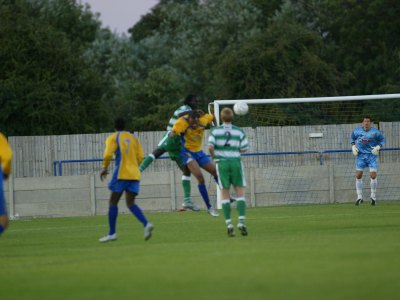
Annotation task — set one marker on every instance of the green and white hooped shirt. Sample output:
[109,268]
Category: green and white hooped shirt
[175,117]
[227,141]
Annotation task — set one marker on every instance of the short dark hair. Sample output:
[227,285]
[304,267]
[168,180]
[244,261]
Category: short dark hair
[367,117]
[189,98]
[194,114]
[119,124]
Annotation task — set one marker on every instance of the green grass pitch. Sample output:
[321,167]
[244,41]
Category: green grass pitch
[292,252]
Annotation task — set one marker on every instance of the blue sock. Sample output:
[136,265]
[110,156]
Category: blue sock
[112,218]
[1,229]
[204,194]
[137,212]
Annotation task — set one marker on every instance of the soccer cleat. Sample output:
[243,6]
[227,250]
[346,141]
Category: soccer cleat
[108,238]
[243,229]
[359,200]
[213,212]
[191,206]
[230,231]
[147,231]
[373,201]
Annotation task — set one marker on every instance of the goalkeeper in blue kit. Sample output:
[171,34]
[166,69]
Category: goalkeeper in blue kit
[226,143]
[366,142]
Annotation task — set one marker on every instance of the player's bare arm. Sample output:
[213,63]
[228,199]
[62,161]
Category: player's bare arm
[211,150]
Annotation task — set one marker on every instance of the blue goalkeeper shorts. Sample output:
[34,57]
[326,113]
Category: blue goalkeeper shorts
[365,160]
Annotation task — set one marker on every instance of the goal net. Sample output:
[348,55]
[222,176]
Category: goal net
[300,147]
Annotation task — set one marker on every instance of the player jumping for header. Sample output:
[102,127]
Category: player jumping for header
[172,145]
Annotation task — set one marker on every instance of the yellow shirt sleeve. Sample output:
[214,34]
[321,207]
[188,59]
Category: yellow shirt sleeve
[5,154]
[111,147]
[208,119]
[180,125]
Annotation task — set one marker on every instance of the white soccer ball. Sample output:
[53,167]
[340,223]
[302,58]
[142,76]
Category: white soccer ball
[241,108]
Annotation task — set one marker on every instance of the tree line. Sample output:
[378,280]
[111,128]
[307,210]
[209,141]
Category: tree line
[63,72]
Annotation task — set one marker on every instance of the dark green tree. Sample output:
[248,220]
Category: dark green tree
[284,61]
[46,87]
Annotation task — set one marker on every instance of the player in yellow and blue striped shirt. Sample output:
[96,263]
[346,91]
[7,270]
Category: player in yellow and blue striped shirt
[191,129]
[172,146]
[128,155]
[5,170]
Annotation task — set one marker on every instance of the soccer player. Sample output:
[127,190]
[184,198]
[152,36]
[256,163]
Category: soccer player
[191,129]
[172,145]
[5,170]
[226,143]
[366,142]
[128,154]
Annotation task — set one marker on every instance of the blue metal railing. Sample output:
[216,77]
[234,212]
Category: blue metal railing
[57,164]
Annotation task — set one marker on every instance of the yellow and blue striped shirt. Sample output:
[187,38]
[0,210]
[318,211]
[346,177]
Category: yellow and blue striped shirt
[192,137]
[128,155]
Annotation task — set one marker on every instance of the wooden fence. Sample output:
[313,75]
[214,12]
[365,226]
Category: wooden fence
[85,195]
[34,156]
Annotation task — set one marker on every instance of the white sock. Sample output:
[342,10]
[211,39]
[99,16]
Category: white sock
[359,188]
[374,184]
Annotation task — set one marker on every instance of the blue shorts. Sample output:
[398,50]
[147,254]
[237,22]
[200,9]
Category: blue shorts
[367,160]
[187,156]
[3,208]
[119,186]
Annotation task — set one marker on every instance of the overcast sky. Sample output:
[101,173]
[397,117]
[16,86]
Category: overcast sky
[120,15]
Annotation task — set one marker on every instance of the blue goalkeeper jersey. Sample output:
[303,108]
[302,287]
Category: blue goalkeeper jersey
[365,140]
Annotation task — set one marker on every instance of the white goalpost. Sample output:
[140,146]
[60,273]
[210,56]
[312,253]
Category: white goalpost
[216,104]
[276,120]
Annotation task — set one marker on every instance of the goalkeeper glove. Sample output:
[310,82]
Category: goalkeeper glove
[375,150]
[355,150]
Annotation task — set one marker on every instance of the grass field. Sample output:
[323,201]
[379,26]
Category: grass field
[292,252]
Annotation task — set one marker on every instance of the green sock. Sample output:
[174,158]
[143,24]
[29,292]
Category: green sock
[241,209]
[146,162]
[186,189]
[226,207]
